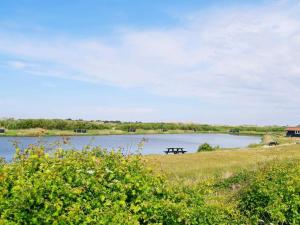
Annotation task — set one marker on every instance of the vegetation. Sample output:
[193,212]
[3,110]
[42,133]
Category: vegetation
[23,127]
[273,194]
[260,184]
[94,186]
[234,131]
[193,168]
[205,147]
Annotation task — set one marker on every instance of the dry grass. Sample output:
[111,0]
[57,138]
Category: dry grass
[198,166]
[280,138]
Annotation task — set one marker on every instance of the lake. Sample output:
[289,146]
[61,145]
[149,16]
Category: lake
[152,143]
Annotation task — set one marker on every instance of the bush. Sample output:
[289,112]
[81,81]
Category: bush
[273,195]
[96,187]
[205,148]
[239,179]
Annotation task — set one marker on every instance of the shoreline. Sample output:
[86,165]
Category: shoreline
[64,133]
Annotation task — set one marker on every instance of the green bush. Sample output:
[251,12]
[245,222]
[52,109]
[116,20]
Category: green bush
[273,195]
[97,187]
[239,179]
[205,148]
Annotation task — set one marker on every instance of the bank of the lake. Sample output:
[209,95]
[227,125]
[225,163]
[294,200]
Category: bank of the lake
[61,127]
[37,132]
[194,167]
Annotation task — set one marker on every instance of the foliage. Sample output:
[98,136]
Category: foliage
[240,178]
[2,161]
[52,124]
[273,195]
[205,148]
[59,124]
[94,186]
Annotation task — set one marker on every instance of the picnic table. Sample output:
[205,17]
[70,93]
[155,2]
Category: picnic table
[175,150]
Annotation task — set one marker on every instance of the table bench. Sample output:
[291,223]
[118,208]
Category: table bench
[175,150]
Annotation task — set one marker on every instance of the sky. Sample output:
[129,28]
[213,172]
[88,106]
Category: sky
[201,61]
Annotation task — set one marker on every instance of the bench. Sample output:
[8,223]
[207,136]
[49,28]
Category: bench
[175,150]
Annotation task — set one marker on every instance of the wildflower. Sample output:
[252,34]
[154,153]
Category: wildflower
[108,170]
[91,172]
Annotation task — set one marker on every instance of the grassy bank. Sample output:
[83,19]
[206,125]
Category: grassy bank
[35,132]
[260,183]
[50,127]
[195,167]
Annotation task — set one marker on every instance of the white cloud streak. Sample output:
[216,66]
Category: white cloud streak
[244,57]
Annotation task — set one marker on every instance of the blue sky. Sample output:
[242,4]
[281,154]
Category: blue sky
[220,62]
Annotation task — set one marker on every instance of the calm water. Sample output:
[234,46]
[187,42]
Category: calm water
[153,144]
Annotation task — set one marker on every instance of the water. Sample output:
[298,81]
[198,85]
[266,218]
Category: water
[153,144]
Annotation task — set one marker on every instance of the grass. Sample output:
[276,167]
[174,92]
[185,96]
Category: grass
[195,167]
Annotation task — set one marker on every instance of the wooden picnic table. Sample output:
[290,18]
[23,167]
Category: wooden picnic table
[175,150]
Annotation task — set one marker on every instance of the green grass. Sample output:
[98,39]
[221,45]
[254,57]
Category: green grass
[196,167]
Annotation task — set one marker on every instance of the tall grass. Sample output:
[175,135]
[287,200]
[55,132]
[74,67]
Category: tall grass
[198,166]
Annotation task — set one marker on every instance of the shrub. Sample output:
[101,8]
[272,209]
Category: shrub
[273,195]
[205,147]
[96,187]
[239,179]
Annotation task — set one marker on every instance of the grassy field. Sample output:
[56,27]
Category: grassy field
[195,167]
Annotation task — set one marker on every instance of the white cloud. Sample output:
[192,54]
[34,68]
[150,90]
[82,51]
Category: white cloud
[16,64]
[247,57]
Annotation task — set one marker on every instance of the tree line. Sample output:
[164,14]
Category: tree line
[61,124]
